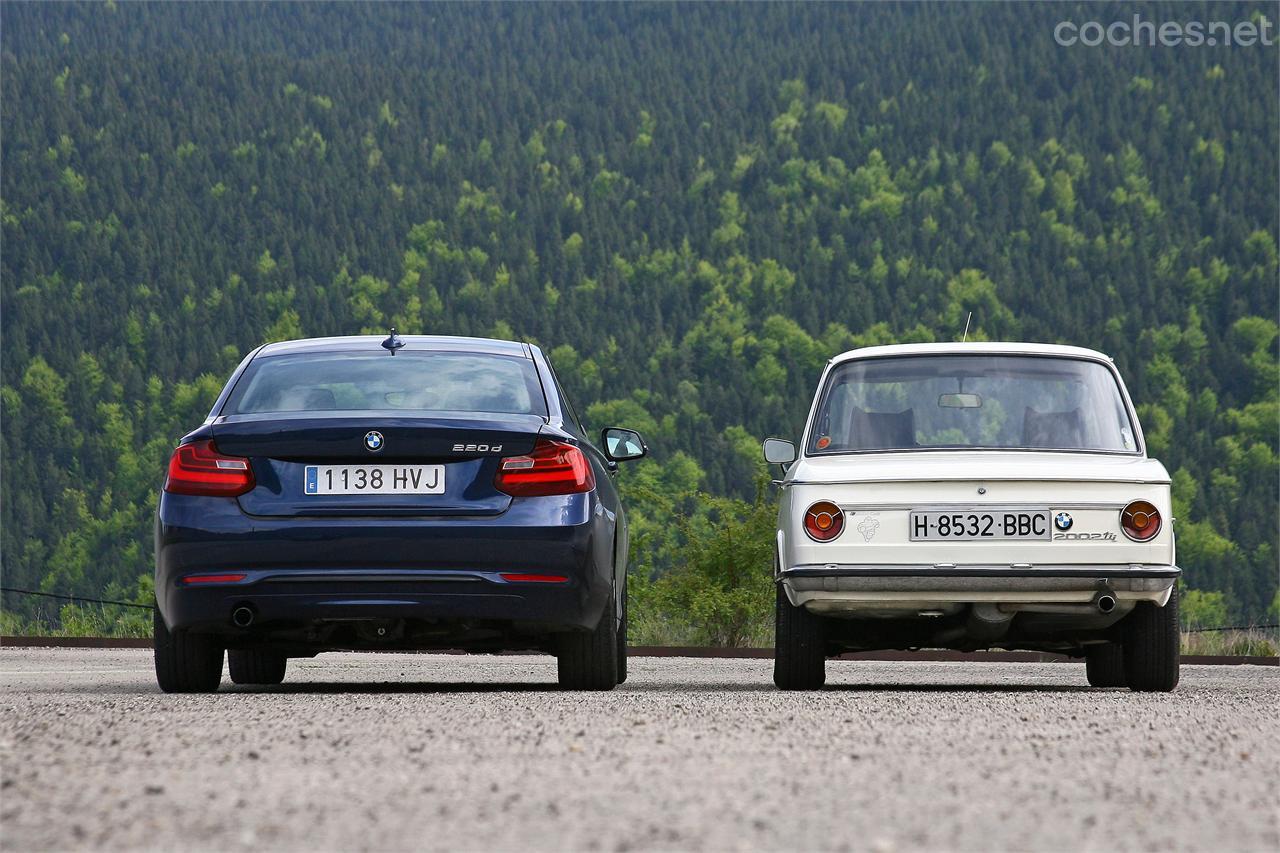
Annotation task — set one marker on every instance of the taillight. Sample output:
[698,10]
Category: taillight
[524,577]
[553,468]
[1140,521]
[199,469]
[215,579]
[823,521]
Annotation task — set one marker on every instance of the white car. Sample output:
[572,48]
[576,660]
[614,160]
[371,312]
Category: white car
[974,496]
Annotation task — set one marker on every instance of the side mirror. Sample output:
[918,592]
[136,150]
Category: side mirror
[622,444]
[778,451]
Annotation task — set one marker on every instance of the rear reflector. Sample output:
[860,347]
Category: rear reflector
[553,468]
[193,579]
[199,469]
[515,577]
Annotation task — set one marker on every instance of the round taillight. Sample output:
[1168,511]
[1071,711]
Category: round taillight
[823,521]
[1140,521]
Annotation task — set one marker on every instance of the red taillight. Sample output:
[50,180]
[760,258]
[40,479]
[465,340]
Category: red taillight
[190,579]
[1140,521]
[823,521]
[553,468]
[517,577]
[199,469]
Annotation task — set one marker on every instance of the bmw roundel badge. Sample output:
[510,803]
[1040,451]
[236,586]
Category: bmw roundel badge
[1063,521]
[373,440]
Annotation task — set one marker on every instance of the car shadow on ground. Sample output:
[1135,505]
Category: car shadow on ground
[335,687]
[869,687]
[420,687]
[962,688]
[143,688]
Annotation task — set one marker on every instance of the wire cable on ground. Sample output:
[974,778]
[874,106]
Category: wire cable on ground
[75,597]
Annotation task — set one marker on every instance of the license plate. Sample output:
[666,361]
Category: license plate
[374,480]
[974,525]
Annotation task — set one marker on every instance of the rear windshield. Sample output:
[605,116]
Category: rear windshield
[410,381]
[972,402]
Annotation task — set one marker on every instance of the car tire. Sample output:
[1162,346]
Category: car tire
[1104,665]
[799,657]
[622,641]
[589,660]
[256,666]
[185,662]
[1152,646]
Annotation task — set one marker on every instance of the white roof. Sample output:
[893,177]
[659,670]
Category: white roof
[975,348]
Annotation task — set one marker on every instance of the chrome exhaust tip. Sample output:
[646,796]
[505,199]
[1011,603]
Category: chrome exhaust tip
[1105,602]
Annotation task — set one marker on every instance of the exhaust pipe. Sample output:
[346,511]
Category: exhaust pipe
[1105,601]
[242,616]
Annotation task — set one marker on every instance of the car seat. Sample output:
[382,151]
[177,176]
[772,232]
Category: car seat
[881,430]
[319,400]
[1057,430]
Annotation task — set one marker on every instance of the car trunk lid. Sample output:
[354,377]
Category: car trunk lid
[879,493]
[466,447]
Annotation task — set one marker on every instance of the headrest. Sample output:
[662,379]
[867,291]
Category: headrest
[881,430]
[1055,430]
[318,400]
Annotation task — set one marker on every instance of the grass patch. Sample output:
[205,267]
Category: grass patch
[80,621]
[1251,643]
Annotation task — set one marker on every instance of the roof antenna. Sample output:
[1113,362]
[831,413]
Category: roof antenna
[963,340]
[393,342]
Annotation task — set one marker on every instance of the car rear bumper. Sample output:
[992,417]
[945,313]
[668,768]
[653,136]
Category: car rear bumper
[300,572]
[282,600]
[838,587]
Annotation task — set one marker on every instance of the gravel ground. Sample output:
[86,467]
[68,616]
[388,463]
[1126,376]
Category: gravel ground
[482,753]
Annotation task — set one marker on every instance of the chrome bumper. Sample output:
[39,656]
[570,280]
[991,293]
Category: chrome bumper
[833,587]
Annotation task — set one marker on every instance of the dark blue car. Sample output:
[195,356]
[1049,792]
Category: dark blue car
[406,493]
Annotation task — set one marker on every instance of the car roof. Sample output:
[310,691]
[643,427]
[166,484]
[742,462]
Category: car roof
[975,348]
[373,343]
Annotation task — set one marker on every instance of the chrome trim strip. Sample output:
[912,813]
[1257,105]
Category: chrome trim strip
[890,480]
[972,448]
[977,507]
[887,590]
[1132,570]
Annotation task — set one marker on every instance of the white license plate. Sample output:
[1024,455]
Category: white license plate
[977,525]
[374,480]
